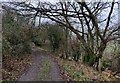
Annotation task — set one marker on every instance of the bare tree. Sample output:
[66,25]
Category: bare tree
[86,15]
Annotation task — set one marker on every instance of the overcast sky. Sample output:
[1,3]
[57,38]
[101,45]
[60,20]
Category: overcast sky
[54,0]
[105,12]
[103,15]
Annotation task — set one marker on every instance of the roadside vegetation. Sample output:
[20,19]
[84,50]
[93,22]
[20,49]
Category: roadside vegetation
[78,71]
[15,46]
[85,50]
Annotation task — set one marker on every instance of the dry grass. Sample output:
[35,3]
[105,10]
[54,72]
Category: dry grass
[79,71]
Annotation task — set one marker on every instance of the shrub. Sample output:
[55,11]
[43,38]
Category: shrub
[89,59]
[55,35]
[105,65]
[16,40]
[37,41]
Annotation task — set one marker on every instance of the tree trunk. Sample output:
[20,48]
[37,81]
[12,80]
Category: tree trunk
[66,43]
[99,56]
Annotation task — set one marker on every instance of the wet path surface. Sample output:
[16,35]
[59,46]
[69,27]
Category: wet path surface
[31,74]
[54,72]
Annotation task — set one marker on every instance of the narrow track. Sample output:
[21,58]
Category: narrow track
[31,74]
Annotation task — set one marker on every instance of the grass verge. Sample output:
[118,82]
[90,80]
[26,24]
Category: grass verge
[44,70]
[77,71]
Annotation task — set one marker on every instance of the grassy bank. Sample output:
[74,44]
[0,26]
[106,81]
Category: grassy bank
[77,71]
